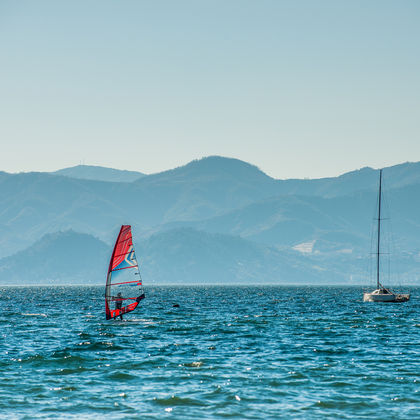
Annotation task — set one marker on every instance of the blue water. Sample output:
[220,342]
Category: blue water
[225,352]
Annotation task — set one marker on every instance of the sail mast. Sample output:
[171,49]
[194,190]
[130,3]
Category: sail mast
[379,230]
[382,294]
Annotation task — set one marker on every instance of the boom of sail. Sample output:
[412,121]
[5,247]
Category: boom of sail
[124,289]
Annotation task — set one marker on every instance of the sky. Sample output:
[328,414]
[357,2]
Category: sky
[299,88]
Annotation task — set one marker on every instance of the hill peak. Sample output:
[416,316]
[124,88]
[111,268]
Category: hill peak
[99,173]
[215,165]
[216,162]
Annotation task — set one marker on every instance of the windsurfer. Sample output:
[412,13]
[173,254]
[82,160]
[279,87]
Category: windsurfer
[118,303]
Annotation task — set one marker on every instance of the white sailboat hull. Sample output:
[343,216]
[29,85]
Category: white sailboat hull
[378,296]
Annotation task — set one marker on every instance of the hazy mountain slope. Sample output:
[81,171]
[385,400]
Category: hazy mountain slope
[351,182]
[62,257]
[38,203]
[215,194]
[99,173]
[330,224]
[203,188]
[190,256]
[4,175]
[290,220]
[176,256]
[404,204]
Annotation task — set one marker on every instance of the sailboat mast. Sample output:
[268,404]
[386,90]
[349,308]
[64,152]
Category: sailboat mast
[379,230]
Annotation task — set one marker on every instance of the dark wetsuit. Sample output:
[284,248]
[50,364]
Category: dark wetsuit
[118,303]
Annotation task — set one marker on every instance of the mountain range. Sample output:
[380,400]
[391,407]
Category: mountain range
[216,220]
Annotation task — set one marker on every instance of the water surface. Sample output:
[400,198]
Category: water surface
[225,352]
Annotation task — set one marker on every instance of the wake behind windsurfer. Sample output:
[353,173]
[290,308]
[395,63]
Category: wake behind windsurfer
[118,303]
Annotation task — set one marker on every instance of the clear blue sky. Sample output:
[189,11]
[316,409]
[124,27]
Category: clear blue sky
[299,88]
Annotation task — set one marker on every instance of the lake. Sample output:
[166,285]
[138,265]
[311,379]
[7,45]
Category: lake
[225,352]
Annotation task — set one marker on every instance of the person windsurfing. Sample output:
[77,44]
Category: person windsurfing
[118,303]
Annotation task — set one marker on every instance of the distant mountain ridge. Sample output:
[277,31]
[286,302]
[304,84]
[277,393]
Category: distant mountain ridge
[176,256]
[325,220]
[201,189]
[179,256]
[212,165]
[62,257]
[362,179]
[99,173]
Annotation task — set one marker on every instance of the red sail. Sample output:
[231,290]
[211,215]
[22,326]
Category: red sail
[122,245]
[124,289]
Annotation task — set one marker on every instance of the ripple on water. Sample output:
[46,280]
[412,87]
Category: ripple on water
[241,352]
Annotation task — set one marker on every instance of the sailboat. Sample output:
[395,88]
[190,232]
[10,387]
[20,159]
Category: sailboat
[124,289]
[381,293]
